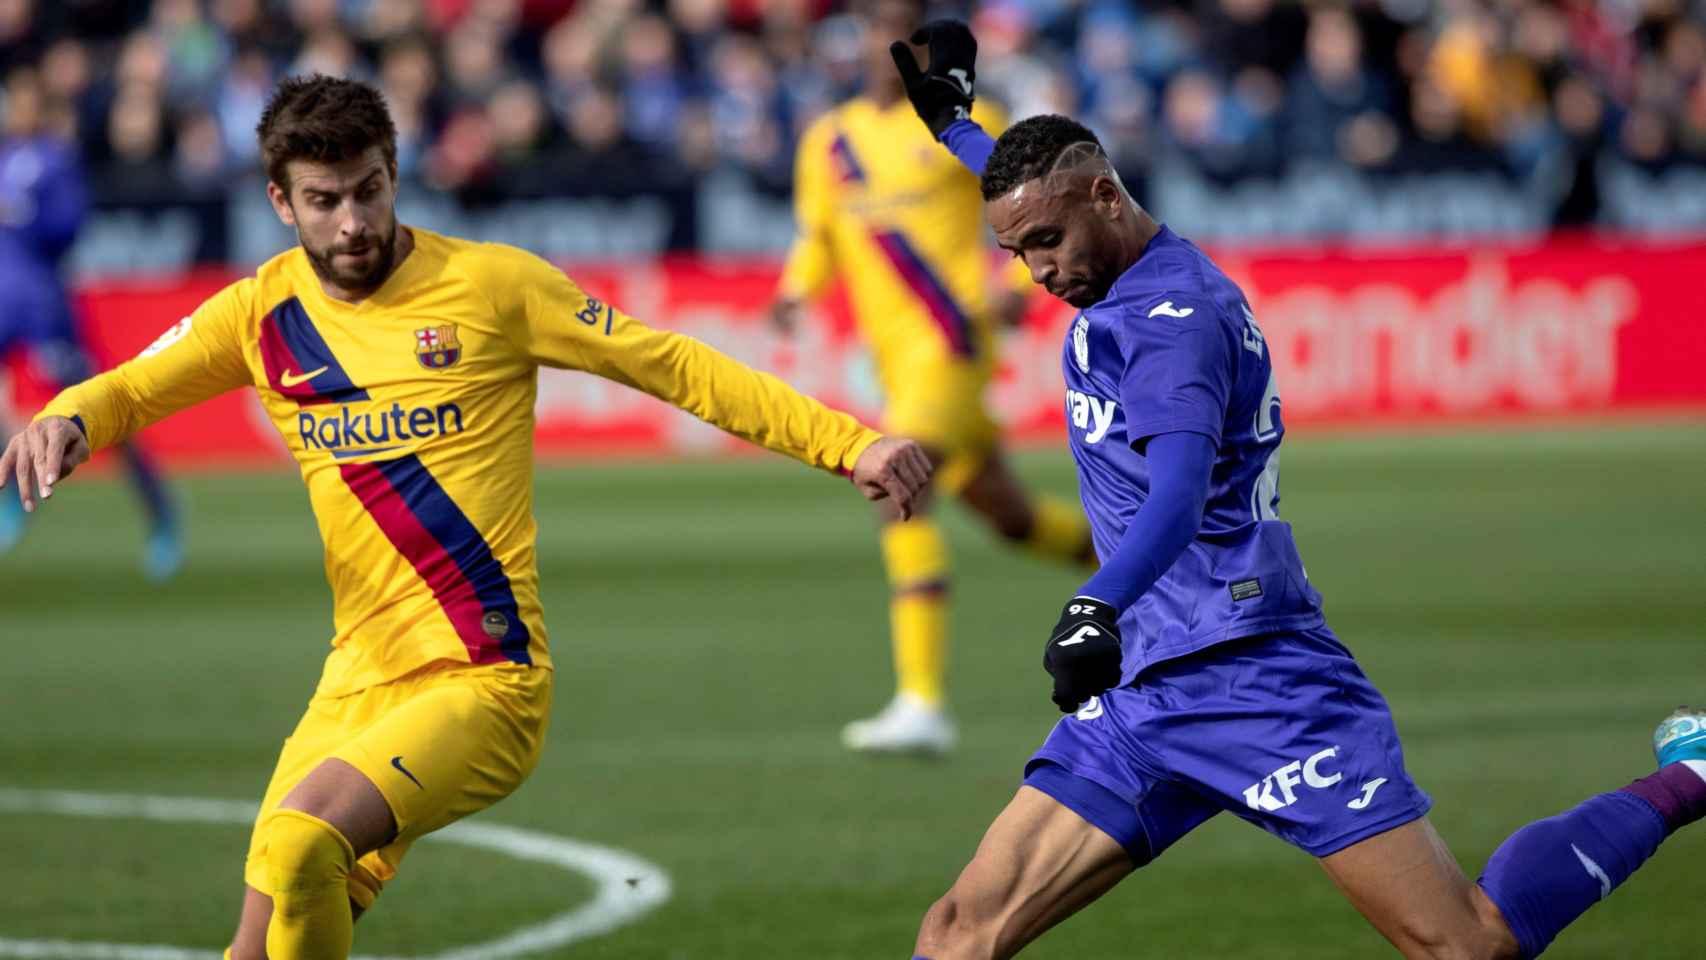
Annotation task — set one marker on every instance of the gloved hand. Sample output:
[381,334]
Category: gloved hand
[1083,652]
[942,94]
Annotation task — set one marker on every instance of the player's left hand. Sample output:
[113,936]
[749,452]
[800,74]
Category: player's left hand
[893,467]
[42,455]
[942,94]
[1083,652]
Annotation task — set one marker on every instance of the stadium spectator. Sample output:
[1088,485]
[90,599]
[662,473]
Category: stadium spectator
[1338,106]
[1541,93]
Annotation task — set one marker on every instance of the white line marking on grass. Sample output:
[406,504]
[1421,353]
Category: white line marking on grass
[628,887]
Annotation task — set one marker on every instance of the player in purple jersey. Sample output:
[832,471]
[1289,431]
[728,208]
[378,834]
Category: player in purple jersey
[43,201]
[1196,663]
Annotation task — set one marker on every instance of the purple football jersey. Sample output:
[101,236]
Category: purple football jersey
[1175,347]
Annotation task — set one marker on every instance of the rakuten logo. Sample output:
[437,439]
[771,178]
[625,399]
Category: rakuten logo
[1475,343]
[350,433]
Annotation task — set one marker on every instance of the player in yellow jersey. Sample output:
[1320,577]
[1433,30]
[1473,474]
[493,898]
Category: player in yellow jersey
[880,204]
[400,367]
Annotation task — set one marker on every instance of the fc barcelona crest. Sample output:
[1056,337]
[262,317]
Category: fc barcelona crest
[437,347]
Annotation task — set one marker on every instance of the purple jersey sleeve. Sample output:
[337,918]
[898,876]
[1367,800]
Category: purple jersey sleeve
[1179,370]
[1180,465]
[969,143]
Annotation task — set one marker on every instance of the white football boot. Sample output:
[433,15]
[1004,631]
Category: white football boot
[907,725]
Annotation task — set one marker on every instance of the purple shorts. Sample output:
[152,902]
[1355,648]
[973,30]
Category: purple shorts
[1283,730]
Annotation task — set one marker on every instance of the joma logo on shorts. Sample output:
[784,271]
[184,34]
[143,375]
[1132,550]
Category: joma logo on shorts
[1260,796]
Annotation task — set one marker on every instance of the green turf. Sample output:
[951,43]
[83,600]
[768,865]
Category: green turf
[1531,603]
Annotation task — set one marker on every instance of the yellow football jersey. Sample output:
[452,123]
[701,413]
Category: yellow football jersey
[410,415]
[879,202]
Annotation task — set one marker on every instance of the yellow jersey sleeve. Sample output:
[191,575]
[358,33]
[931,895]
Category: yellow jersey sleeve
[811,260]
[558,325]
[199,357]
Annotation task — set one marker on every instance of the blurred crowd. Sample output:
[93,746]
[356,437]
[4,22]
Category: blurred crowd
[504,98]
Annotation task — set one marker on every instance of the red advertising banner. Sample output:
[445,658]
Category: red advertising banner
[1573,325]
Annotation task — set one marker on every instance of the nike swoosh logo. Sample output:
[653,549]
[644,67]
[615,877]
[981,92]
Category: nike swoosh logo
[1091,709]
[397,761]
[290,379]
[1166,310]
[1362,802]
[1594,871]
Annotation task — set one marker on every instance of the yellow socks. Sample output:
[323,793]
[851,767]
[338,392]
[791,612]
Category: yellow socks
[308,864]
[915,555]
[1059,531]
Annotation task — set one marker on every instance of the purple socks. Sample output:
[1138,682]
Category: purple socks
[1676,792]
[1551,871]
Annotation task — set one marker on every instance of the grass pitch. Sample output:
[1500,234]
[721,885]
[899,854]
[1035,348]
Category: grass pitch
[1531,604]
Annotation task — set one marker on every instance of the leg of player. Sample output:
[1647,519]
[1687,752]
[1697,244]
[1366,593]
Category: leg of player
[915,558]
[327,822]
[250,943]
[67,362]
[1411,889]
[1039,863]
[163,554]
[1046,526]
[1540,879]
[12,516]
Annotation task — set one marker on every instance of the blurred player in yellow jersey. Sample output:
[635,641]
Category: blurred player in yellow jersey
[400,367]
[881,205]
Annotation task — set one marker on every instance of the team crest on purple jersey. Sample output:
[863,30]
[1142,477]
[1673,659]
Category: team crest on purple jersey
[437,347]
[1081,342]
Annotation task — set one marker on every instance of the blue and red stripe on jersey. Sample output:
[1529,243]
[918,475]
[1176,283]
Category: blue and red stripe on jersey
[291,346]
[437,538]
[847,166]
[929,288]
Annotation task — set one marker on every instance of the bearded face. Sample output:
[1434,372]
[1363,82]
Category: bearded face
[345,218]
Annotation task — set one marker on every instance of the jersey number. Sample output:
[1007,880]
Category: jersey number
[1264,499]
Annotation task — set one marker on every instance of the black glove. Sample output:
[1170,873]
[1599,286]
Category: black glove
[1083,653]
[944,94]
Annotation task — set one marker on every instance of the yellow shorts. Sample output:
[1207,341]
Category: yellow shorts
[440,743]
[939,403]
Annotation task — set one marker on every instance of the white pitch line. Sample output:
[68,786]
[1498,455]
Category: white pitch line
[627,886]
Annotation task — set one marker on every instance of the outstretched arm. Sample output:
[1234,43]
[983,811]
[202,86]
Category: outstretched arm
[761,409]
[199,357]
[563,327]
[942,95]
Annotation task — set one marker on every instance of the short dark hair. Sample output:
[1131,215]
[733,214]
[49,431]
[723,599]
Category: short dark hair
[1029,150]
[323,120]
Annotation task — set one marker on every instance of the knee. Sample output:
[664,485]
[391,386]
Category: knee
[304,853]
